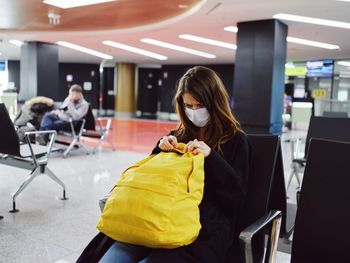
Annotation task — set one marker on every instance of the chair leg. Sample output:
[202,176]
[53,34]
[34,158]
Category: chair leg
[84,146]
[295,172]
[50,174]
[37,171]
[291,176]
[98,143]
[298,179]
[111,143]
[71,145]
[103,137]
[30,178]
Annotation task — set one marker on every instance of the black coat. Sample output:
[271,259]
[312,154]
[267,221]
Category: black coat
[226,180]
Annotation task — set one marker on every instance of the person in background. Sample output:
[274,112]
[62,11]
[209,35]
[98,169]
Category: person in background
[74,107]
[206,126]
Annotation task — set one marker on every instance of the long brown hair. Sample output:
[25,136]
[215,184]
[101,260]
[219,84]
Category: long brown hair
[204,85]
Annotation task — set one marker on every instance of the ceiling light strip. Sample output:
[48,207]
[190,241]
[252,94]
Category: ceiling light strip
[344,63]
[311,43]
[178,48]
[84,49]
[134,50]
[231,29]
[70,3]
[311,20]
[16,42]
[208,41]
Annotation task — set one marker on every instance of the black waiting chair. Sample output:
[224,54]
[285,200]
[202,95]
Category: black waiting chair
[255,215]
[321,128]
[322,230]
[100,131]
[28,156]
[334,114]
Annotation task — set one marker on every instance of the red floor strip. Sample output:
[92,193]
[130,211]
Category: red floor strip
[134,135]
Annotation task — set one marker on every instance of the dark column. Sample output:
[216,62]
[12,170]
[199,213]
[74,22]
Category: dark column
[39,70]
[259,75]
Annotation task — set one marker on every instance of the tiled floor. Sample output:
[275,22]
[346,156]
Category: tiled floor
[48,229]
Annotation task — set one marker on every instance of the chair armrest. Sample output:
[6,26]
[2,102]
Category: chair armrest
[49,148]
[249,232]
[102,202]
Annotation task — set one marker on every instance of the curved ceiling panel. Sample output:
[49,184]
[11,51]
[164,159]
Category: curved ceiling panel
[33,15]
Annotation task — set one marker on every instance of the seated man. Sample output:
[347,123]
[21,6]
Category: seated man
[74,107]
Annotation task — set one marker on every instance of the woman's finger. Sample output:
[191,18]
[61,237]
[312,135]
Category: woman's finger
[186,147]
[165,144]
[168,144]
[173,141]
[190,146]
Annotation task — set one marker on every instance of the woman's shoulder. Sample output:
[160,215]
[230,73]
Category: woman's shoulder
[238,136]
[237,141]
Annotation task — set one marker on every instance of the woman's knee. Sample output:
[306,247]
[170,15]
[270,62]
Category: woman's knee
[124,253]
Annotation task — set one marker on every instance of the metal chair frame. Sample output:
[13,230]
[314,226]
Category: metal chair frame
[74,137]
[35,160]
[103,132]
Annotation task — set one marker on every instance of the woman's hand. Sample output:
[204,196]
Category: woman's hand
[197,147]
[168,143]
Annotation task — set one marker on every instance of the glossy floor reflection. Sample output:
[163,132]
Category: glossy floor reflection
[135,135]
[48,229]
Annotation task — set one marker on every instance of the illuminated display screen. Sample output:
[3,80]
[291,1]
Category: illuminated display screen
[322,68]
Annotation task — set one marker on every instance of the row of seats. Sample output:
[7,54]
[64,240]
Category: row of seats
[35,157]
[319,127]
[320,231]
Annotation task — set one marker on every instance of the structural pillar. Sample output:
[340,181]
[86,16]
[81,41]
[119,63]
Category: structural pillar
[125,100]
[259,75]
[39,71]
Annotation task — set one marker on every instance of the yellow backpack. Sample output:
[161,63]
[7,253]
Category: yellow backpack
[155,201]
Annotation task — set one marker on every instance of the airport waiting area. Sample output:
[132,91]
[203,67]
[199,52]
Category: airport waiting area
[183,131]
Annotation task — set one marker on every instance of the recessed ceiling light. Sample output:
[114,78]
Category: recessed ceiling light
[16,42]
[231,28]
[208,41]
[344,63]
[343,0]
[84,49]
[178,48]
[134,50]
[311,43]
[310,20]
[74,3]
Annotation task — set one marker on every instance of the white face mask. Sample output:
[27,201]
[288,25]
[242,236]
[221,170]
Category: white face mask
[199,117]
